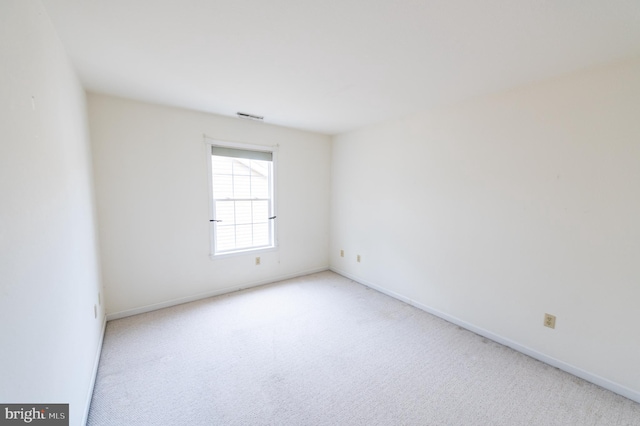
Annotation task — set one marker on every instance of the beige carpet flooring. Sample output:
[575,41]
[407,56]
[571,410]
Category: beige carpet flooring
[324,350]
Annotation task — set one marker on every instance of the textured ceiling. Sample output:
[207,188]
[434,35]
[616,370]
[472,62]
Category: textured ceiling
[334,65]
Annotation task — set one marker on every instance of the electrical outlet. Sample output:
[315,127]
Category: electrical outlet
[258,261]
[358,258]
[341,253]
[95,311]
[549,320]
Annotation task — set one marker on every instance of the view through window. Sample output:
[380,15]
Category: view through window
[242,182]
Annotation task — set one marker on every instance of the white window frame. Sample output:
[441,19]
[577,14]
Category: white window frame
[209,143]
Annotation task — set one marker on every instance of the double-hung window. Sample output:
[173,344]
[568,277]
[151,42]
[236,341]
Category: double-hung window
[242,181]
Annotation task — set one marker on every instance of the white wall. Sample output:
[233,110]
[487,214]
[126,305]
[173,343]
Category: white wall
[153,206]
[49,277]
[498,210]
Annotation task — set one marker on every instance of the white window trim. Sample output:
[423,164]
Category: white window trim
[208,143]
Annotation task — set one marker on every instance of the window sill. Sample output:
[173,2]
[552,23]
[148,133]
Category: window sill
[242,252]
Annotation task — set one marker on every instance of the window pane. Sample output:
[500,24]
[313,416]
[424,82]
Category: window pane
[222,186]
[260,211]
[261,234]
[225,211]
[241,187]
[221,165]
[225,237]
[260,167]
[241,167]
[243,236]
[243,212]
[259,187]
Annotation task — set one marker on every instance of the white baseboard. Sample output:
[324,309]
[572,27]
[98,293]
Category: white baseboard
[590,377]
[94,374]
[180,301]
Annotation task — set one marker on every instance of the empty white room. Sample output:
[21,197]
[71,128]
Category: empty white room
[412,212]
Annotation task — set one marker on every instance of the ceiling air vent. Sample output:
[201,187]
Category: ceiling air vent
[249,116]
